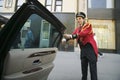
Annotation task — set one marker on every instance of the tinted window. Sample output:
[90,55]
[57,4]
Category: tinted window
[97,3]
[101,3]
[36,33]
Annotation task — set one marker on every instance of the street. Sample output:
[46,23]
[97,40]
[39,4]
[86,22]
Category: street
[68,67]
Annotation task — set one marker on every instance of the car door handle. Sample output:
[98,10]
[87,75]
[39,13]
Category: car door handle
[36,61]
[42,53]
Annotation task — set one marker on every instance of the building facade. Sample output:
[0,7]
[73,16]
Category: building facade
[104,15]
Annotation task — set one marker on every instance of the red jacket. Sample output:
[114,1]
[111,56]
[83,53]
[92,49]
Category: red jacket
[85,35]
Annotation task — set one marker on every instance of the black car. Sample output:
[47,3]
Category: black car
[29,42]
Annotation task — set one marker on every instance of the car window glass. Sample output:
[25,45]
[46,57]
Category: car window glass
[36,33]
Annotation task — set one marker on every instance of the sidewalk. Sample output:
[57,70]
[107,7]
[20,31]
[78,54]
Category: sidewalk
[67,66]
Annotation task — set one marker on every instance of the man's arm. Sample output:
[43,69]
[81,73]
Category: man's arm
[70,36]
[85,31]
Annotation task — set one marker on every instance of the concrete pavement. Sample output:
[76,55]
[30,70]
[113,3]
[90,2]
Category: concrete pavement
[68,67]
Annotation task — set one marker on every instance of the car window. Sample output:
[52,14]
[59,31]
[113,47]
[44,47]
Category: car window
[36,33]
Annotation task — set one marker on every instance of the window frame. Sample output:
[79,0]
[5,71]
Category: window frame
[107,4]
[58,5]
[48,5]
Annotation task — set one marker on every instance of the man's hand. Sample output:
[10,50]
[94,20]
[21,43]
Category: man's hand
[67,36]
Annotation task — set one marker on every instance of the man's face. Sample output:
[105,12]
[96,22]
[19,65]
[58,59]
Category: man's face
[80,20]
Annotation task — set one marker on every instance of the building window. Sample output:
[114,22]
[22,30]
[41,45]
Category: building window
[1,5]
[19,3]
[48,5]
[105,33]
[58,5]
[100,3]
[8,3]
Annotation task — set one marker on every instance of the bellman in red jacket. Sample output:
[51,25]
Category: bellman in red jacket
[89,51]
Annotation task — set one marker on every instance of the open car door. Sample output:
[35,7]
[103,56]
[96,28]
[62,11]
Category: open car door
[28,43]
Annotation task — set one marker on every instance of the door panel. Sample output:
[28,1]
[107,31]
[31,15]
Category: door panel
[21,65]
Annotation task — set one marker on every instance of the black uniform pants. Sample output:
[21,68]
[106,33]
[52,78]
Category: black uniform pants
[88,57]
